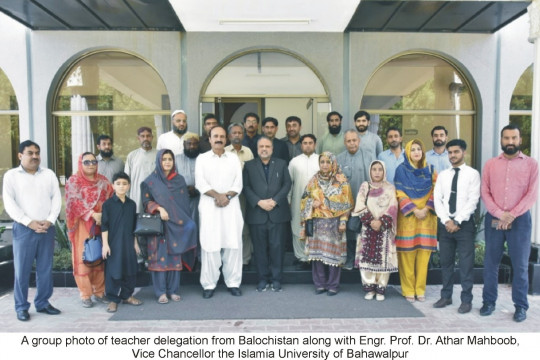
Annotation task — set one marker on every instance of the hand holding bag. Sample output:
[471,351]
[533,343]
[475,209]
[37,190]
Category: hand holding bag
[92,248]
[354,224]
[309,227]
[148,225]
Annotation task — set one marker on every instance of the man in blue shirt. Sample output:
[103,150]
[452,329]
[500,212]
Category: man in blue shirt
[438,156]
[394,155]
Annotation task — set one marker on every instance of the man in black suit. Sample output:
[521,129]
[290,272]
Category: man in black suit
[266,185]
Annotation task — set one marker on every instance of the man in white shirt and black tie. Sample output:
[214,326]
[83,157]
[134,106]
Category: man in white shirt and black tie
[456,196]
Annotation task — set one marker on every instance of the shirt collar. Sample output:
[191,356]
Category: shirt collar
[519,156]
[21,169]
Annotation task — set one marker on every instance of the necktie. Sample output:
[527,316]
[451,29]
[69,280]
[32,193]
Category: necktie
[453,194]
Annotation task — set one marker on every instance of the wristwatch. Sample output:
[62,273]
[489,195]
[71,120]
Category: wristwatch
[229,197]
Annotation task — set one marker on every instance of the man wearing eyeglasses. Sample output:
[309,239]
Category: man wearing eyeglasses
[251,124]
[32,199]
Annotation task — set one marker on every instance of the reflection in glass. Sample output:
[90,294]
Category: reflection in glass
[114,82]
[9,132]
[416,92]
[521,108]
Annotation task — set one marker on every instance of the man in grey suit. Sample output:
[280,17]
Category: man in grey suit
[266,185]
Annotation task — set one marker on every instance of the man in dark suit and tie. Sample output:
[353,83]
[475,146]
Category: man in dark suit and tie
[266,185]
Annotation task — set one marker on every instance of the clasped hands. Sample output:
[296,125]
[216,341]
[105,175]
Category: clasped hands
[267,204]
[39,226]
[505,221]
[421,214]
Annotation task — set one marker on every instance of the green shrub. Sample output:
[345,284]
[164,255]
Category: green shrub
[62,260]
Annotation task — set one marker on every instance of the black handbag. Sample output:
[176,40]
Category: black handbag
[309,227]
[354,224]
[148,225]
[92,248]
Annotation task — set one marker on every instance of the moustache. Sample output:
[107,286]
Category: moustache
[219,142]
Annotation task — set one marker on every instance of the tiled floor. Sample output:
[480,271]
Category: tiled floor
[74,318]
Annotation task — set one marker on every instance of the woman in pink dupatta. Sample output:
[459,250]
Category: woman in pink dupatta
[86,191]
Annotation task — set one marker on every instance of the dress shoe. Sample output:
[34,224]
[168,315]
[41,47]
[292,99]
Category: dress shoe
[262,286]
[442,302]
[235,291]
[487,309]
[207,294]
[332,293]
[49,310]
[320,291]
[464,308]
[23,315]
[276,286]
[520,314]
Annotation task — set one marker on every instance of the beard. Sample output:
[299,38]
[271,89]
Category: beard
[439,143]
[334,130]
[178,131]
[510,149]
[106,154]
[361,128]
[394,144]
[192,153]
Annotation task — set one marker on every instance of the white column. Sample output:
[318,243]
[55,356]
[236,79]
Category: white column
[534,37]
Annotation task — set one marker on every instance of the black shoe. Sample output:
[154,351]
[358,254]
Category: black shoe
[276,286]
[487,309]
[23,315]
[49,309]
[235,291]
[442,302]
[263,286]
[332,293]
[320,291]
[519,315]
[464,308]
[207,294]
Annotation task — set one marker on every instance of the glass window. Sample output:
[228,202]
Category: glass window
[269,83]
[111,93]
[9,132]
[416,92]
[521,108]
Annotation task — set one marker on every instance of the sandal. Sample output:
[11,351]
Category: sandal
[132,301]
[175,297]
[410,299]
[421,298]
[112,307]
[163,299]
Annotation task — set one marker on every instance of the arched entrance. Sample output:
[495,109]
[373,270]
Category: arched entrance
[268,82]
[418,91]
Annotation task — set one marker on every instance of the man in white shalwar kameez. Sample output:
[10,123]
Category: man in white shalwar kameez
[174,139]
[301,168]
[140,163]
[218,177]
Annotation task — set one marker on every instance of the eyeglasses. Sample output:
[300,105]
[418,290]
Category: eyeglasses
[89,162]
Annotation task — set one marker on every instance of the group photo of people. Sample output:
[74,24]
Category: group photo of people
[238,195]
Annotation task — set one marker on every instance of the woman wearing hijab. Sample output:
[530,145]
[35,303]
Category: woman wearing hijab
[376,257]
[416,235]
[327,201]
[165,192]
[86,191]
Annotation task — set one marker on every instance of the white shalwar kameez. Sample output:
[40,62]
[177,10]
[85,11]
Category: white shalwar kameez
[220,227]
[171,141]
[301,168]
[139,164]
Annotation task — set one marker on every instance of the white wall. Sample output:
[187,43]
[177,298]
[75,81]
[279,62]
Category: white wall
[13,61]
